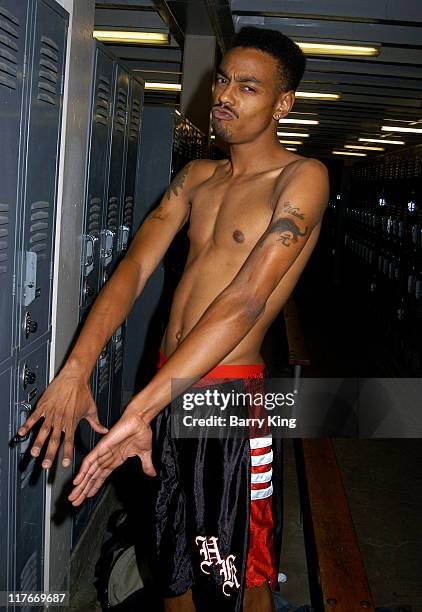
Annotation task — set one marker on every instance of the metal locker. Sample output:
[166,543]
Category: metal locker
[132,159]
[97,175]
[117,167]
[31,378]
[12,54]
[44,108]
[117,346]
[83,444]
[6,463]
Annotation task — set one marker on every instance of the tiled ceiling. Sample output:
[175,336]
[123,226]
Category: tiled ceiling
[374,91]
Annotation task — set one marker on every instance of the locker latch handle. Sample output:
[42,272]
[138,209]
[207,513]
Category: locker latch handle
[25,409]
[107,241]
[124,237]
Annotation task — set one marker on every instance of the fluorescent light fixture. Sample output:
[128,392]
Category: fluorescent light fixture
[291,149]
[396,128]
[364,148]
[291,142]
[163,86]
[212,137]
[300,121]
[330,49]
[349,153]
[314,95]
[144,38]
[382,140]
[292,134]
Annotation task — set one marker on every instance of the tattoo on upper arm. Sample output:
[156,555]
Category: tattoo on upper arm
[287,230]
[177,182]
[292,210]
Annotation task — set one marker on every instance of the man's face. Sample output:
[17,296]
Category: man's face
[244,95]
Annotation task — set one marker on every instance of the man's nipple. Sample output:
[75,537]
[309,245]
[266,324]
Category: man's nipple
[238,236]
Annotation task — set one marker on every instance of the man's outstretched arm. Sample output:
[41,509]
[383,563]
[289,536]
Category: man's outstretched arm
[224,324]
[236,310]
[68,398]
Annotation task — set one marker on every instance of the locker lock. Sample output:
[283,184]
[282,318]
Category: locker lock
[28,377]
[90,241]
[30,325]
[124,232]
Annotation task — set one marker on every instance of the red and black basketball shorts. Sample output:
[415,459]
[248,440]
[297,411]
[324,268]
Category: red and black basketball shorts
[218,507]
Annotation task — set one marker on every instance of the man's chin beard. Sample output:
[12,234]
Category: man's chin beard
[221,133]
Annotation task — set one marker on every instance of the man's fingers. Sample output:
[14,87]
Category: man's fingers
[43,434]
[69,437]
[53,445]
[89,487]
[30,421]
[147,465]
[95,424]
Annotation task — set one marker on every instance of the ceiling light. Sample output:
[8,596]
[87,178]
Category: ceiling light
[329,49]
[292,142]
[381,140]
[212,137]
[163,86]
[291,149]
[146,38]
[292,134]
[364,148]
[349,153]
[300,121]
[395,128]
[314,95]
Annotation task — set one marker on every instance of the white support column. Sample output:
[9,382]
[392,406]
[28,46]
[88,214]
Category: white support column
[67,257]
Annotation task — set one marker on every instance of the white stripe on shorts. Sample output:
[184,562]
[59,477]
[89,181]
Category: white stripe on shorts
[262,459]
[262,476]
[262,493]
[260,442]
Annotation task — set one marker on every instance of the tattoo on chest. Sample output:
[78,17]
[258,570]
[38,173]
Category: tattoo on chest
[292,210]
[286,228]
[177,182]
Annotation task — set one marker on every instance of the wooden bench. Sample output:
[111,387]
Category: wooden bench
[337,576]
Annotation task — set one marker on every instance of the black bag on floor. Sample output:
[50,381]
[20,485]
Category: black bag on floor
[124,581]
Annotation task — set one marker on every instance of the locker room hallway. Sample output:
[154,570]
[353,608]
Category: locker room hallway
[102,104]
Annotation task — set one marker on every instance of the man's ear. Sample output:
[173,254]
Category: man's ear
[284,104]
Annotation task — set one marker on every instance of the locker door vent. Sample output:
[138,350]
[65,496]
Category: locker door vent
[113,213]
[120,118]
[9,38]
[94,216]
[135,120]
[118,358]
[104,374]
[48,73]
[4,234]
[38,232]
[128,211]
[28,578]
[102,104]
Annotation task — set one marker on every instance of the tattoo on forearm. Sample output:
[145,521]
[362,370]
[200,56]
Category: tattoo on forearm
[157,213]
[177,182]
[292,210]
[287,230]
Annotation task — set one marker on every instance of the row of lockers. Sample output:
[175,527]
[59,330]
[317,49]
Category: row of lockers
[33,38]
[391,166]
[116,110]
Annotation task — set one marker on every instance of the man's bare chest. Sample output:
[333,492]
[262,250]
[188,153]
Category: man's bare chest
[231,216]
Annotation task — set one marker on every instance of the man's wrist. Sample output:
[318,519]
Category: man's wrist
[142,406]
[76,366]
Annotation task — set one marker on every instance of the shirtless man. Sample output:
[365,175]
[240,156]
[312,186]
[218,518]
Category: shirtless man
[254,220]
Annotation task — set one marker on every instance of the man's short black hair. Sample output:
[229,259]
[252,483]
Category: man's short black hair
[290,57]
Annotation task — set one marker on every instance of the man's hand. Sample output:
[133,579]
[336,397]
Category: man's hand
[131,436]
[64,403]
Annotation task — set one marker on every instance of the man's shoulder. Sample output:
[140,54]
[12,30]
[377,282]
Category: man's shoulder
[306,164]
[202,169]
